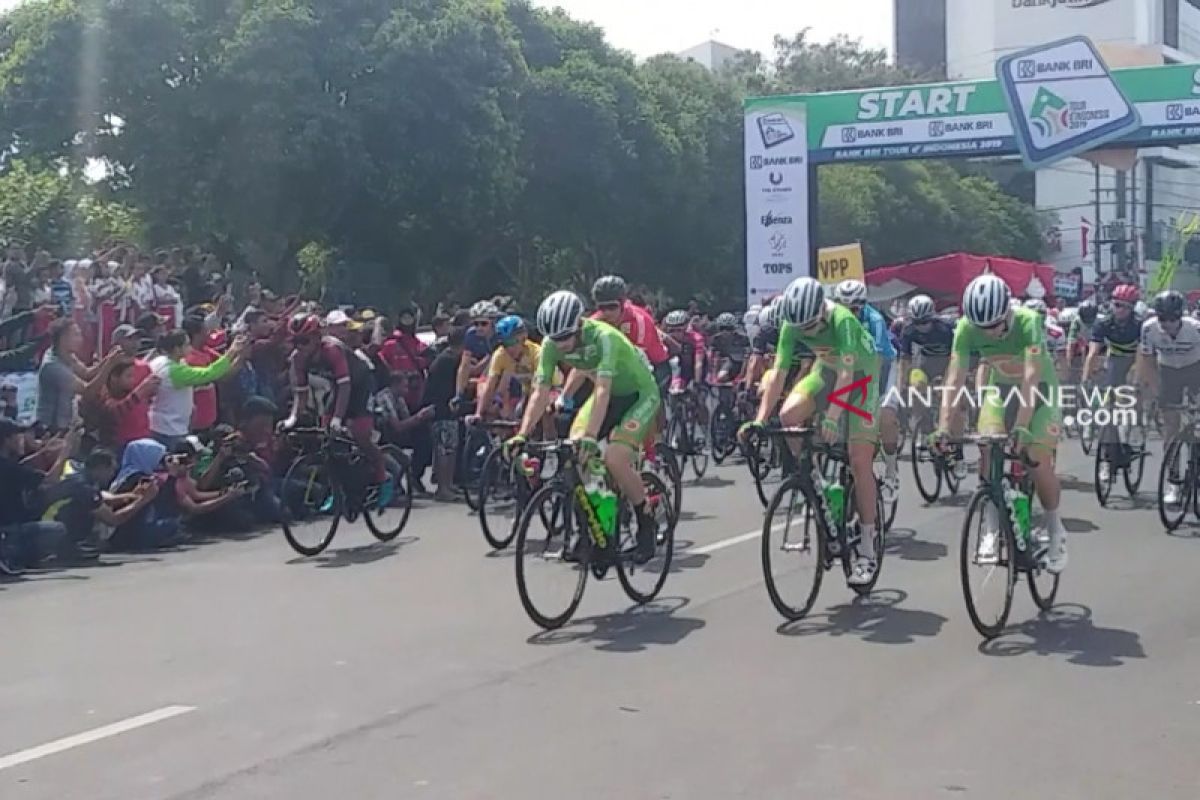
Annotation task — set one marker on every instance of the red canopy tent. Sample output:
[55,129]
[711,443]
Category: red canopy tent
[947,276]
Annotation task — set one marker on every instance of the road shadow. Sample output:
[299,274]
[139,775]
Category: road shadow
[711,482]
[692,516]
[352,556]
[903,543]
[1077,525]
[1186,530]
[631,631]
[1067,630]
[876,618]
[681,559]
[945,500]
[1072,483]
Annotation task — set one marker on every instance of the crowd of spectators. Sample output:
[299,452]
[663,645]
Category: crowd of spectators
[159,389]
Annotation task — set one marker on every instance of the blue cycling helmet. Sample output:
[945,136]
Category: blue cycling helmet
[508,327]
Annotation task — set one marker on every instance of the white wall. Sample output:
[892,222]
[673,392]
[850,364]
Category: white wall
[970,47]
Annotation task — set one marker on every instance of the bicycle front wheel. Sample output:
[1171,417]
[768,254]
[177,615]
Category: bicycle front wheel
[1176,471]
[553,550]
[1103,471]
[498,507]
[793,549]
[987,564]
[308,492]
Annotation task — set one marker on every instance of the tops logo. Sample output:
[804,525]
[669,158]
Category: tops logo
[770,219]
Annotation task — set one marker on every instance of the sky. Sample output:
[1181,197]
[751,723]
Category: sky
[648,27]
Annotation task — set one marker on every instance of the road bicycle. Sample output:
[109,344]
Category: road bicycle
[505,484]
[732,409]
[933,467]
[331,478]
[561,538]
[1001,508]
[812,523]
[1181,466]
[764,458]
[684,430]
[1120,448]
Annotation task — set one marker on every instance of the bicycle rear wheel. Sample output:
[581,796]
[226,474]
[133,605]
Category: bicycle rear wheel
[643,582]
[794,549]
[722,433]
[1043,587]
[553,551]
[851,520]
[998,572]
[385,522]
[308,491]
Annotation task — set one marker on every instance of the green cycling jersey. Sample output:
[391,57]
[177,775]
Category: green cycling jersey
[602,352]
[1008,354]
[841,343]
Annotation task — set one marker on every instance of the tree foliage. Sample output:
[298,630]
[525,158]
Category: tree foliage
[474,146]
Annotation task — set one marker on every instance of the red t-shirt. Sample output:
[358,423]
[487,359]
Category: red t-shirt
[204,398]
[638,325]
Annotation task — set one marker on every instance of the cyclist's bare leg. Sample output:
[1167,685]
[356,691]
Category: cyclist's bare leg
[862,457]
[797,410]
[621,460]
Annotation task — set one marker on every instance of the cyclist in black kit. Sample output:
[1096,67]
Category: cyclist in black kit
[727,348]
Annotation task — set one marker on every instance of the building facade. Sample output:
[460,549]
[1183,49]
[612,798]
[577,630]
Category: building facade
[1114,217]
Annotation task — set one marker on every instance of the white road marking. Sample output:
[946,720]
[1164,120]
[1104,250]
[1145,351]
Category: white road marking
[94,735]
[730,542]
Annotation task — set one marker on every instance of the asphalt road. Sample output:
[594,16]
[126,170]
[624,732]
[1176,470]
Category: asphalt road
[236,670]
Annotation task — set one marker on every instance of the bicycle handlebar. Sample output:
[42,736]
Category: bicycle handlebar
[993,439]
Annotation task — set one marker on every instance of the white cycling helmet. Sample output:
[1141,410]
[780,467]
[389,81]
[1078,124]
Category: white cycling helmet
[921,308]
[560,314]
[850,292]
[986,301]
[1036,304]
[1140,308]
[485,309]
[802,301]
[676,319]
[751,315]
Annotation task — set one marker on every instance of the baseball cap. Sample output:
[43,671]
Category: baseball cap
[339,317]
[124,331]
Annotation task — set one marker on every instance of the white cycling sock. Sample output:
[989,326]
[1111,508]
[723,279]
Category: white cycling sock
[1053,524]
[890,462]
[866,545]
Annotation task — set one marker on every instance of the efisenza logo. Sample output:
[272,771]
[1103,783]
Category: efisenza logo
[770,219]
[1049,115]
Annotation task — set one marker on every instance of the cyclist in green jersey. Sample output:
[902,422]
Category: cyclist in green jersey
[845,353]
[622,406]
[1023,399]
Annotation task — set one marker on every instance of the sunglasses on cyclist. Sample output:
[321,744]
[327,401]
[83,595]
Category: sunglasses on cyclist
[609,306]
[1121,304]
[563,337]
[482,323]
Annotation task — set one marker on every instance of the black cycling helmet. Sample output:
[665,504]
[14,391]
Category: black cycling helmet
[1169,306]
[609,289]
[1087,313]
